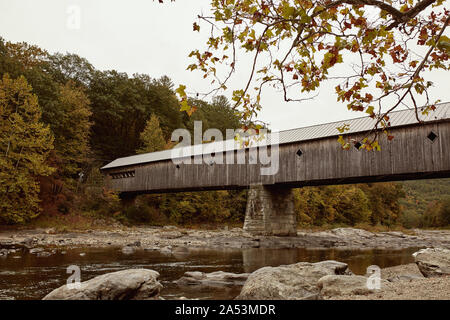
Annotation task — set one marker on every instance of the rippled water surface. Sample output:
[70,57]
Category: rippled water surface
[26,276]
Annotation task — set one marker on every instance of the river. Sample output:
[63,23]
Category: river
[26,276]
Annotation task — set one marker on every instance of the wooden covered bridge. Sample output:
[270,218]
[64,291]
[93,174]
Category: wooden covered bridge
[308,156]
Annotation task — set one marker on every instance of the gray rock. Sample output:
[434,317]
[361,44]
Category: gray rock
[180,252]
[290,282]
[151,249]
[352,233]
[134,244]
[36,250]
[128,250]
[44,254]
[166,250]
[29,241]
[132,284]
[213,279]
[335,285]
[50,231]
[397,234]
[406,272]
[433,262]
[171,235]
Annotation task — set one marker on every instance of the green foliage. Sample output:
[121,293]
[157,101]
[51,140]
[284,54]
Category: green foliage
[189,208]
[25,144]
[411,219]
[427,201]
[195,207]
[96,199]
[73,128]
[437,214]
[217,114]
[152,138]
[96,116]
[384,202]
[331,204]
[445,212]
[121,107]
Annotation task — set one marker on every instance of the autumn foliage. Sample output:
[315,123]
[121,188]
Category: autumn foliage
[25,144]
[374,52]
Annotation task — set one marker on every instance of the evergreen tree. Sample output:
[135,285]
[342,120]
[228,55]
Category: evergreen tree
[25,144]
[152,137]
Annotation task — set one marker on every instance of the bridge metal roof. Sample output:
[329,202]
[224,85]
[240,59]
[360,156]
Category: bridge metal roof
[397,119]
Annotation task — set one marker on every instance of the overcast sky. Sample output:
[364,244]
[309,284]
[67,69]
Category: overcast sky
[143,36]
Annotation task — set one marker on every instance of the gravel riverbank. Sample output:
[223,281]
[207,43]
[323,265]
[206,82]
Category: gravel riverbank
[169,237]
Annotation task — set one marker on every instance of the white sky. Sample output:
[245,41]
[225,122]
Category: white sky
[143,36]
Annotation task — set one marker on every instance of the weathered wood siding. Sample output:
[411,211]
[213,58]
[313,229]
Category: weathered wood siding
[410,155]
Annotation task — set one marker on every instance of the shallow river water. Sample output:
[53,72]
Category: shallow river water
[26,276]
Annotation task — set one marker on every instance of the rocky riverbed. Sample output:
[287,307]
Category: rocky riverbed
[168,239]
[147,248]
[427,278]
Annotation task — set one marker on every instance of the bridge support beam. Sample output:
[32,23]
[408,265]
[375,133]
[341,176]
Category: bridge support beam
[270,211]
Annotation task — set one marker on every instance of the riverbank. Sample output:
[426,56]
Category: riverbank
[418,289]
[170,237]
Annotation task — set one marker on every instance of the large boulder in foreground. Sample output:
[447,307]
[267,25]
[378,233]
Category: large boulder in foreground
[433,262]
[290,282]
[132,284]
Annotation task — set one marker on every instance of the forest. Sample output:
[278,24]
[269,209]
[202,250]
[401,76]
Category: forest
[61,119]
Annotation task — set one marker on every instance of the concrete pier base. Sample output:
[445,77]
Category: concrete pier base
[270,211]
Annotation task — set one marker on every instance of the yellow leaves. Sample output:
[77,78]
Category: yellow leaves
[355,46]
[191,110]
[287,11]
[331,58]
[345,11]
[181,90]
[343,128]
[191,67]
[374,146]
[252,34]
[184,105]
[370,111]
[404,8]
[345,145]
[25,145]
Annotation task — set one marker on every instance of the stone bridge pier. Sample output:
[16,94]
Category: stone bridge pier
[270,211]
